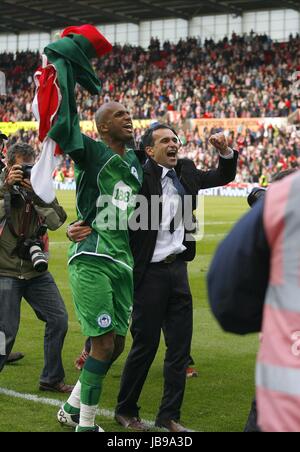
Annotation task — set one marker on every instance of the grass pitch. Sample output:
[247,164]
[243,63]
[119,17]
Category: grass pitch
[218,401]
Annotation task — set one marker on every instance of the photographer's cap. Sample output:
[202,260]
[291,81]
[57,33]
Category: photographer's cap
[3,136]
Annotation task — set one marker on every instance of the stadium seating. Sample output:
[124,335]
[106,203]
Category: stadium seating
[241,77]
[245,77]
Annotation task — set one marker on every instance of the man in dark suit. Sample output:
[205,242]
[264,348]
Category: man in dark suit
[163,299]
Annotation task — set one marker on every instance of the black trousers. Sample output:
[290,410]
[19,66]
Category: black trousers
[252,426]
[162,303]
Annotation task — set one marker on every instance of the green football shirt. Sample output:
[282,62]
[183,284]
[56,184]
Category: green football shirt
[106,187]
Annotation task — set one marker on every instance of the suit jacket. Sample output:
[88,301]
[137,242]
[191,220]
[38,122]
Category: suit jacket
[143,242]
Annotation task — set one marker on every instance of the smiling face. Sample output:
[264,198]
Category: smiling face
[165,148]
[114,120]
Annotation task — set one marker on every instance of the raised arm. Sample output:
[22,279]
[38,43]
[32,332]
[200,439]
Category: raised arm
[226,171]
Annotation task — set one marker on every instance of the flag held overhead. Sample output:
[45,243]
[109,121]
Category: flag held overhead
[100,44]
[66,63]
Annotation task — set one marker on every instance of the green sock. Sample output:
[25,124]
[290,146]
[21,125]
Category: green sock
[70,409]
[91,380]
[83,429]
[72,406]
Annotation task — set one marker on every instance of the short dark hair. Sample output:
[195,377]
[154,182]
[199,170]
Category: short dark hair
[21,149]
[148,140]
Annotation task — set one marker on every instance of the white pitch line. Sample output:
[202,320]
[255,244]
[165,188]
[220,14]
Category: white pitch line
[58,403]
[219,223]
[45,401]
[214,236]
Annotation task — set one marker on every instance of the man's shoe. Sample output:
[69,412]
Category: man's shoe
[191,373]
[67,420]
[131,423]
[61,387]
[14,357]
[172,426]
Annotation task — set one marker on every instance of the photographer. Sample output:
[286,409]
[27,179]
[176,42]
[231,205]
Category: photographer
[16,356]
[24,220]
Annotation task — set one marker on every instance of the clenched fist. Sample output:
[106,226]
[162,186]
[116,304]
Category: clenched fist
[219,141]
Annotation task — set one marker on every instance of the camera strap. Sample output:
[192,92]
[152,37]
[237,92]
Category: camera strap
[7,208]
[2,226]
[26,219]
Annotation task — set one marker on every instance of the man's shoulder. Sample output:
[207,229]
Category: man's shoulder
[186,161]
[186,164]
[91,142]
[97,151]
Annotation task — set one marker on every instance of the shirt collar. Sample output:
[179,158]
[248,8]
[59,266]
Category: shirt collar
[165,171]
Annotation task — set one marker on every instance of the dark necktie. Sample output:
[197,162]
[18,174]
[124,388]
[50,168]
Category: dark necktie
[181,191]
[172,175]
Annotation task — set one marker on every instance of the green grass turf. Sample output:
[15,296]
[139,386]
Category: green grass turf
[219,400]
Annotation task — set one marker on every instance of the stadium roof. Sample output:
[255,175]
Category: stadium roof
[44,15]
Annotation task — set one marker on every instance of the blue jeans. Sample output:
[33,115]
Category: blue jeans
[43,296]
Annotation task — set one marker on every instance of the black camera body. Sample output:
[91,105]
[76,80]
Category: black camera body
[26,169]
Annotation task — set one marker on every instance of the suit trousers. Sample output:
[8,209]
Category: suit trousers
[163,302]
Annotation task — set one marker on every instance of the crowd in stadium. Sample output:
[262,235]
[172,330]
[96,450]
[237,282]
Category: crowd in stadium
[246,76]
[180,84]
[243,77]
[265,152]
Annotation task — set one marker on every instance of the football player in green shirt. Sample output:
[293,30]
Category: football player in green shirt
[109,176]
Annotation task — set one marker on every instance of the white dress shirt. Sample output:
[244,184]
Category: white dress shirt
[168,244]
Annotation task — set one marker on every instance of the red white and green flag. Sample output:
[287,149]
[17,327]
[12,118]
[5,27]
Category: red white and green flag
[65,63]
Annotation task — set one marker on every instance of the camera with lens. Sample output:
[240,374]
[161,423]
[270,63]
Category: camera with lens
[32,250]
[256,194]
[26,170]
